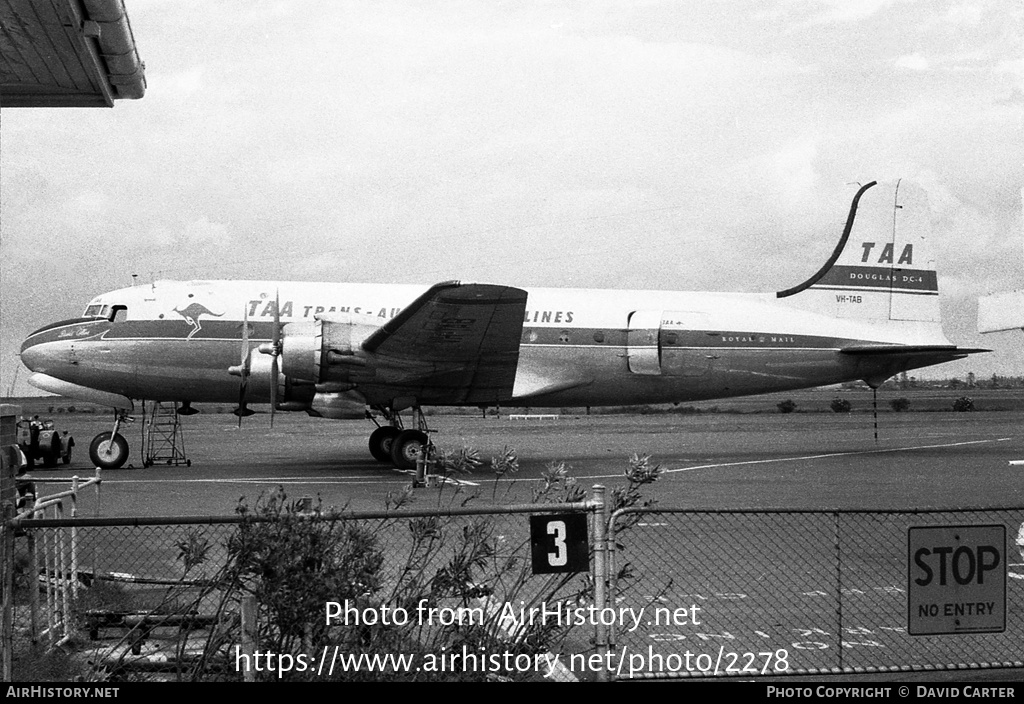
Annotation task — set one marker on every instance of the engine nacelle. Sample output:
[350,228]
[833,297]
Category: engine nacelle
[291,396]
[338,405]
[325,349]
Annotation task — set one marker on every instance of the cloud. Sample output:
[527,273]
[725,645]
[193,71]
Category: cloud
[179,85]
[912,62]
[964,14]
[842,11]
[86,205]
[203,232]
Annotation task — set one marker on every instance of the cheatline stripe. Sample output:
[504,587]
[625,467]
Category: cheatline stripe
[810,457]
[876,289]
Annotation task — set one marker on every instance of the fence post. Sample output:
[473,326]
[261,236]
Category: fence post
[8,501]
[74,538]
[33,585]
[8,591]
[601,577]
[248,648]
[97,570]
[64,593]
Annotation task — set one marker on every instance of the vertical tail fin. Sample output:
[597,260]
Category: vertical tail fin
[883,267]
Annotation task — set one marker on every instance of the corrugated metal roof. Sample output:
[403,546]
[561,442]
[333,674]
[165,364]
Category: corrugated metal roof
[67,53]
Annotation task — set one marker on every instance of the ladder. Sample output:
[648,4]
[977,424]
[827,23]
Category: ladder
[164,440]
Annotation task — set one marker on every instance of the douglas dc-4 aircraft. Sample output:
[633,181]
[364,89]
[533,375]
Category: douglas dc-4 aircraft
[341,350]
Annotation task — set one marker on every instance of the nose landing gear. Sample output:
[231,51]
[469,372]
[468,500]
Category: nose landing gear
[109,450]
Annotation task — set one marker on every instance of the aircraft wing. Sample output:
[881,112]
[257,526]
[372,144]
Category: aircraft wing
[457,343]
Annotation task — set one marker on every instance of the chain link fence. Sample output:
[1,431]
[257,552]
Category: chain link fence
[690,594]
[450,590]
[745,593]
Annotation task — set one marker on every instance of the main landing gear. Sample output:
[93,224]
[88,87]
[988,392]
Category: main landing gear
[397,445]
[110,450]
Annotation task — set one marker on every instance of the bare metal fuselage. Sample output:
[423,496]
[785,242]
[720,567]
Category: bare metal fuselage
[176,341]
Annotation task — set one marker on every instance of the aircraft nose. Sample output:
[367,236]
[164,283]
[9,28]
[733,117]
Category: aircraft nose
[39,354]
[52,349]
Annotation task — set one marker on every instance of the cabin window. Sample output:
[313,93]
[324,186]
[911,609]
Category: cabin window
[564,336]
[671,338]
[599,336]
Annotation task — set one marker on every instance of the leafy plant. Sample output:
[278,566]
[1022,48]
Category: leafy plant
[787,406]
[963,404]
[899,405]
[840,405]
[294,562]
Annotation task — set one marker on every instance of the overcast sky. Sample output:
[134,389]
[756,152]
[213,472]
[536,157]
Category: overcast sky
[632,144]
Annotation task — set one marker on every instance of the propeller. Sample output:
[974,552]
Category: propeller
[243,370]
[273,348]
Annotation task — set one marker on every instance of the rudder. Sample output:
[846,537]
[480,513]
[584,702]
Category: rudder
[883,267]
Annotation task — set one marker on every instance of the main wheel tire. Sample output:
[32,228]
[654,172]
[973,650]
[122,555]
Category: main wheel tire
[67,458]
[108,452]
[407,448]
[380,442]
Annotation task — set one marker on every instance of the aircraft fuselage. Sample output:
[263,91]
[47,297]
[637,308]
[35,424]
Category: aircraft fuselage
[176,341]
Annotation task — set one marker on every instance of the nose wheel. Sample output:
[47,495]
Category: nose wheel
[109,450]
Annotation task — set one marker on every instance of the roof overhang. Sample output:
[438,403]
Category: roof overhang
[67,53]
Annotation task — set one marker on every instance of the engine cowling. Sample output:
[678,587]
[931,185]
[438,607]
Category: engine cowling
[292,395]
[326,349]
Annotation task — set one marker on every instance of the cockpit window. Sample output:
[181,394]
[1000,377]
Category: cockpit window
[114,314]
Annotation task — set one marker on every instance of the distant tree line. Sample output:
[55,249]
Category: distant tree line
[904,382]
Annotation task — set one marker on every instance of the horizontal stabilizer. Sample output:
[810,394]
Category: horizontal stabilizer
[876,363]
[950,351]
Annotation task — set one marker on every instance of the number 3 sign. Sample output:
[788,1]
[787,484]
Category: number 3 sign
[559,543]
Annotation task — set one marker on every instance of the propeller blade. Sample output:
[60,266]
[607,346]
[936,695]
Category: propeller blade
[276,352]
[240,411]
[244,370]
[245,336]
[273,389]
[277,322]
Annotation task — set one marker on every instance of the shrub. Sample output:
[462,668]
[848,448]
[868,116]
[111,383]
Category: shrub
[963,404]
[841,405]
[899,404]
[787,406]
[294,561]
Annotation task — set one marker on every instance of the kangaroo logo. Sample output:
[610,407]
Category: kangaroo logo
[191,314]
